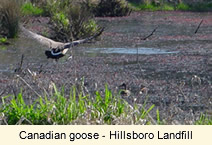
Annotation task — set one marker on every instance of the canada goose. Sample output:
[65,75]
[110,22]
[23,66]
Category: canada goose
[56,53]
[57,49]
[124,91]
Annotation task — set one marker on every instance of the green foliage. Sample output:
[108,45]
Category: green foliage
[61,25]
[182,6]
[71,19]
[204,120]
[90,26]
[3,48]
[55,6]
[148,7]
[158,117]
[201,7]
[3,40]
[9,18]
[169,6]
[145,112]
[29,9]
[112,8]
[159,121]
[102,109]
[152,7]
[134,6]
[82,21]
[108,107]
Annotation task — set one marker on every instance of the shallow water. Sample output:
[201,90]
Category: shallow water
[10,56]
[146,51]
[123,36]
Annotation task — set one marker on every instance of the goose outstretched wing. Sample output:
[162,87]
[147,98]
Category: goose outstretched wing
[57,49]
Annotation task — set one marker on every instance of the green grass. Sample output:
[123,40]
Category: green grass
[138,7]
[170,7]
[204,120]
[167,7]
[159,122]
[103,108]
[29,9]
[148,7]
[3,48]
[151,7]
[77,109]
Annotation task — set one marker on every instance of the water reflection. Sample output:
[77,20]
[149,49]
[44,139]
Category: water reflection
[141,50]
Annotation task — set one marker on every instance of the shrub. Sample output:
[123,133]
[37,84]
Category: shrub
[29,9]
[149,7]
[183,7]
[201,6]
[71,20]
[112,8]
[82,21]
[167,7]
[9,18]
[4,41]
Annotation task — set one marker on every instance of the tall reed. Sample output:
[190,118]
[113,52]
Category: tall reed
[9,18]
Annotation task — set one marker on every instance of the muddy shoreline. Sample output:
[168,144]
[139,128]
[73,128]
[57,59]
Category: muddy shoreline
[172,79]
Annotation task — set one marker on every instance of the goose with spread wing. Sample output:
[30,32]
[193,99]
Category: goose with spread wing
[57,49]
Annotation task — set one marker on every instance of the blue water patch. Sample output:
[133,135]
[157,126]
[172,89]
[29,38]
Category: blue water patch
[141,50]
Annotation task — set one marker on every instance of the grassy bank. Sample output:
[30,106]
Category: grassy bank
[201,7]
[77,109]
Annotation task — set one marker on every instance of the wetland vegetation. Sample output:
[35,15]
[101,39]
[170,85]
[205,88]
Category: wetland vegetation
[169,85]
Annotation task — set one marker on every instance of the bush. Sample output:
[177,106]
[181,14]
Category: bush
[112,8]
[29,9]
[82,21]
[182,6]
[148,7]
[9,18]
[71,20]
[167,7]
[201,6]
[4,41]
